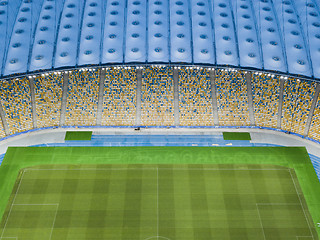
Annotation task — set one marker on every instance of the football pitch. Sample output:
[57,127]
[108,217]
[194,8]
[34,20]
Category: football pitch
[141,193]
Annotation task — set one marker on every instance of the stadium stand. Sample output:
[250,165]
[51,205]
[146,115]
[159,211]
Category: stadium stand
[157,96]
[265,98]
[82,98]
[195,104]
[119,104]
[16,102]
[297,100]
[314,131]
[48,95]
[290,95]
[119,100]
[302,106]
[232,98]
[2,132]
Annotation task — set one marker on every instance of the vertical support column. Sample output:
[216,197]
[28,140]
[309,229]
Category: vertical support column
[4,121]
[102,75]
[138,110]
[313,106]
[33,102]
[280,103]
[248,77]
[64,98]
[212,75]
[176,112]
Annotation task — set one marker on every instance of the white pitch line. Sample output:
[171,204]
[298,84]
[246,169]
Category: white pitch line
[264,236]
[54,221]
[278,204]
[305,215]
[157,202]
[35,204]
[175,169]
[14,199]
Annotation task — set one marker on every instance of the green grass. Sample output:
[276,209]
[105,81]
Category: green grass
[190,193]
[78,136]
[236,136]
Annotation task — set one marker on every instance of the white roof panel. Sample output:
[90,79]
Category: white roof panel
[158,34]
[90,39]
[43,45]
[226,42]
[180,32]
[67,42]
[202,32]
[112,48]
[136,31]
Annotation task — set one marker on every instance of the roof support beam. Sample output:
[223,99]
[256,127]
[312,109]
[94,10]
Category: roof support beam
[64,98]
[212,75]
[280,103]
[176,97]
[248,77]
[33,102]
[102,75]
[4,121]
[138,107]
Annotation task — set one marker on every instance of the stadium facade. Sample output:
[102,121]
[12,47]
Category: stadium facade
[178,63]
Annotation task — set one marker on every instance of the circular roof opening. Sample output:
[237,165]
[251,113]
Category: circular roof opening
[39,57]
[14,60]
[204,51]
[65,39]
[135,50]
[275,58]
[16,45]
[63,54]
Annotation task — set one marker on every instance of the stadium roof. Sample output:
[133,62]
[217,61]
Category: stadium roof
[279,35]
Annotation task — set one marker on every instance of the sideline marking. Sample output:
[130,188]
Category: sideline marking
[264,236]
[157,202]
[14,199]
[175,169]
[285,204]
[27,204]
[294,183]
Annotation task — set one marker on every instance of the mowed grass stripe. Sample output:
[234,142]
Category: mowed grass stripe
[199,204]
[166,202]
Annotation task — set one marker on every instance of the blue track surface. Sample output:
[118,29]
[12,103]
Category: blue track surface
[165,140]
